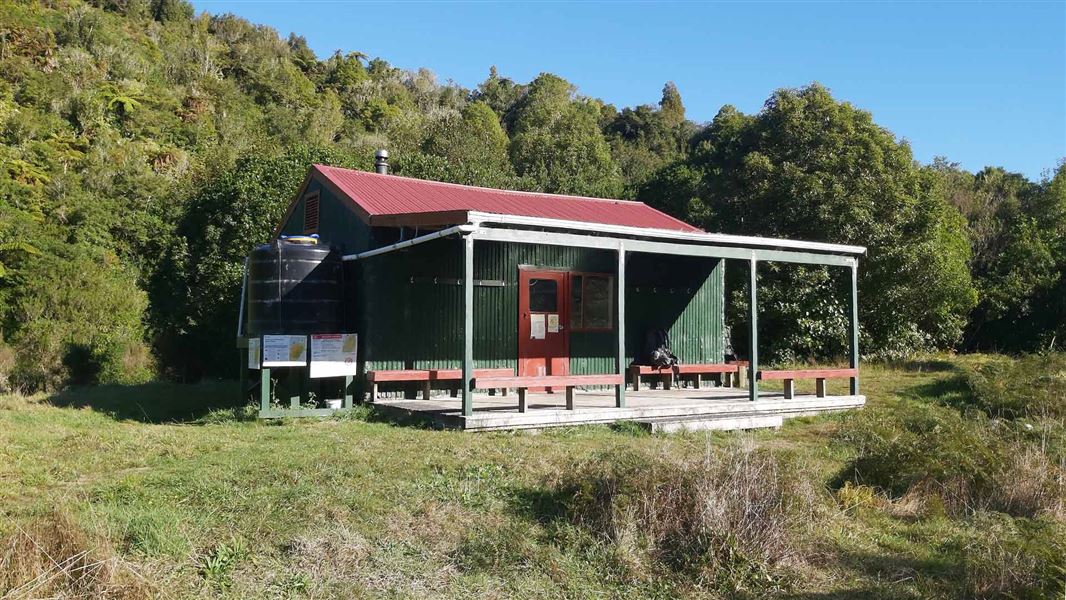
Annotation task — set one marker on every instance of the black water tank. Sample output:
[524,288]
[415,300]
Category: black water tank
[294,288]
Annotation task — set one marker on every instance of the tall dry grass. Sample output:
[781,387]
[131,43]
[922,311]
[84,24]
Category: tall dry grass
[727,520]
[54,558]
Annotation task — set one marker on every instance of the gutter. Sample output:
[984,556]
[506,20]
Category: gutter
[458,229]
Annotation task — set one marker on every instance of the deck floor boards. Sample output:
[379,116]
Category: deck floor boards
[496,412]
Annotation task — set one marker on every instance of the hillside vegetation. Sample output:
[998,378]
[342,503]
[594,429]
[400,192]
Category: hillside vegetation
[144,150]
[950,484]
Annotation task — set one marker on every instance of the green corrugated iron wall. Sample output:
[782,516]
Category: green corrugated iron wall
[410,305]
[682,295]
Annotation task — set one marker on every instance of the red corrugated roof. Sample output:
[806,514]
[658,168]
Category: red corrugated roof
[391,195]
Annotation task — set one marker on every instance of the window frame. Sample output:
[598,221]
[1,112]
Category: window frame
[584,275]
[308,197]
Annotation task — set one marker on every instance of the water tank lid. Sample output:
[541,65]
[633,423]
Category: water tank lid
[306,240]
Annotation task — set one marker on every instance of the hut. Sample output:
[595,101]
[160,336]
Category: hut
[482,308]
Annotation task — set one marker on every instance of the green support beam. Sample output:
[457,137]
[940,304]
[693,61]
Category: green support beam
[853,318]
[349,400]
[264,390]
[468,326]
[753,332]
[620,359]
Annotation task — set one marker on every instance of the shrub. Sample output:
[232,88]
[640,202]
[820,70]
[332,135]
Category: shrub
[1013,558]
[927,448]
[933,458]
[725,520]
[80,323]
[1033,386]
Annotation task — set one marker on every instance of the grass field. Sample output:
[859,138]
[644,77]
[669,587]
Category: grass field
[945,486]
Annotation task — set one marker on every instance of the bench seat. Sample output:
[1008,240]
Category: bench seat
[457,375]
[388,376]
[532,381]
[731,370]
[818,375]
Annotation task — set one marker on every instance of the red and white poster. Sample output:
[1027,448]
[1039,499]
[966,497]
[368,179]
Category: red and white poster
[333,354]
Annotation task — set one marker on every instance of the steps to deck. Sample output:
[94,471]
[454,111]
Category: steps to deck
[730,423]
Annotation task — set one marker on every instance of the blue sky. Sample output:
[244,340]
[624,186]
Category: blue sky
[980,83]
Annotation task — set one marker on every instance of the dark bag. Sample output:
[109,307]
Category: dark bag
[657,350]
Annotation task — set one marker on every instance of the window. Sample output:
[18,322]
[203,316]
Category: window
[311,213]
[591,302]
[543,295]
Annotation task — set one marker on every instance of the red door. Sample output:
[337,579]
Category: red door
[543,342]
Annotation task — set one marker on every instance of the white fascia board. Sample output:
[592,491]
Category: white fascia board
[718,239]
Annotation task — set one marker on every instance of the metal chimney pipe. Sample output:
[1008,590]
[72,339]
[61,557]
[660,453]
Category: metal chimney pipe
[381,162]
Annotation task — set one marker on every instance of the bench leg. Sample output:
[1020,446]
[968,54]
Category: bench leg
[569,397]
[503,391]
[790,389]
[373,392]
[636,382]
[425,390]
[668,381]
[522,400]
[820,387]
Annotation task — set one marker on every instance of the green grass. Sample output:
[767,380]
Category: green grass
[188,496]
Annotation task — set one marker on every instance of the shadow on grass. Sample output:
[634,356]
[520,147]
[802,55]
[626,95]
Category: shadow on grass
[157,402]
[369,413]
[540,504]
[893,572]
[952,391]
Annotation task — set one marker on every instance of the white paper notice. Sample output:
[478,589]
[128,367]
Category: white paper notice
[284,350]
[253,353]
[333,355]
[536,327]
[553,323]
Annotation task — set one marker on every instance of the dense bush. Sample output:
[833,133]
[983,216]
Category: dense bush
[813,168]
[80,322]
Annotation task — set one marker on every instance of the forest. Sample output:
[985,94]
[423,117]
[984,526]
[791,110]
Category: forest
[146,149]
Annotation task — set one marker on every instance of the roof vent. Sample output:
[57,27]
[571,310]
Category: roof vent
[381,162]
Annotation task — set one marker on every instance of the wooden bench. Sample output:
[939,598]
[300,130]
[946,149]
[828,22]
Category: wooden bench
[567,381]
[819,375]
[376,377]
[636,371]
[742,370]
[729,370]
[457,375]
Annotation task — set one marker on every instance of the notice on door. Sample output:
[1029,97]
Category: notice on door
[284,350]
[553,323]
[333,355]
[253,353]
[536,327]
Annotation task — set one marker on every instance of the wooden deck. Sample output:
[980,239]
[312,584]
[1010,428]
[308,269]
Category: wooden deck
[708,408]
